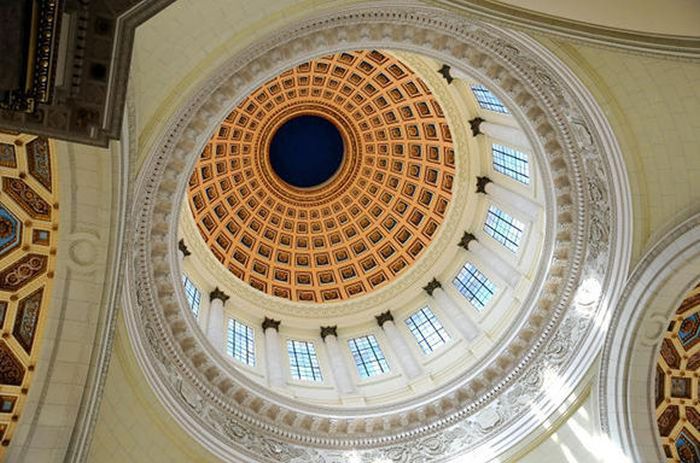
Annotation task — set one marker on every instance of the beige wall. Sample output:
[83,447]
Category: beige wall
[672,17]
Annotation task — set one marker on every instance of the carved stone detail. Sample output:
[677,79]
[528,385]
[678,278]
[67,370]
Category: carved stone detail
[481,183]
[183,247]
[219,294]
[475,125]
[270,323]
[466,239]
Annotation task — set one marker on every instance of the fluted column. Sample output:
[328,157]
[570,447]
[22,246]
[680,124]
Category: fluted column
[182,250]
[517,202]
[408,363]
[460,319]
[502,268]
[511,136]
[273,356]
[216,331]
[335,357]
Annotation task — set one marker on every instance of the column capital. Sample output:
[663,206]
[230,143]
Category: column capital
[383,318]
[183,247]
[432,286]
[466,239]
[475,125]
[218,294]
[481,183]
[445,72]
[329,331]
[270,323]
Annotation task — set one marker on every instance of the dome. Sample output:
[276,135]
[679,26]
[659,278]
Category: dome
[427,276]
[359,229]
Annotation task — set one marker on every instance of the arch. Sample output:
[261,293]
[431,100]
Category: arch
[626,384]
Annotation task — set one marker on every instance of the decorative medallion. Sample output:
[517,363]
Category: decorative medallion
[38,162]
[26,198]
[375,205]
[11,369]
[10,231]
[27,318]
[676,387]
[22,272]
[8,158]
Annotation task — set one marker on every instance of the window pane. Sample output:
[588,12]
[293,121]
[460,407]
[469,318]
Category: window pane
[303,363]
[474,285]
[368,356]
[427,330]
[192,295]
[240,342]
[510,162]
[503,228]
[488,100]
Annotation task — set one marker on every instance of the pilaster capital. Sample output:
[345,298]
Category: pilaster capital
[383,318]
[329,331]
[270,323]
[481,183]
[183,247]
[432,286]
[467,238]
[475,125]
[445,72]
[218,294]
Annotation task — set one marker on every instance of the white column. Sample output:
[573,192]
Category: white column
[502,268]
[517,202]
[216,331]
[459,318]
[335,357]
[403,353]
[510,136]
[273,356]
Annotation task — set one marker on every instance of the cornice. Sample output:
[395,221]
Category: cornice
[503,400]
[531,21]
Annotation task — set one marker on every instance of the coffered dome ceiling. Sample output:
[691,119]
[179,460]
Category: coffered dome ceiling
[368,221]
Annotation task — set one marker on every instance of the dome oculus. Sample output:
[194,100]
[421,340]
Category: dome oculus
[376,198]
[306,151]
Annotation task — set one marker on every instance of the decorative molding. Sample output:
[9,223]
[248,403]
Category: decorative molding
[589,212]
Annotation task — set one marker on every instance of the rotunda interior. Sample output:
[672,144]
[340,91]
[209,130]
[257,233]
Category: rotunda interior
[348,231]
